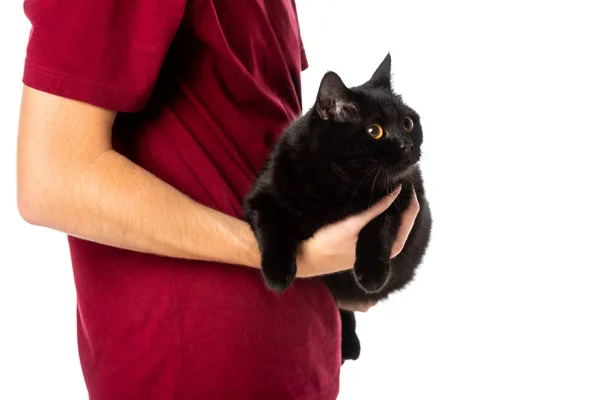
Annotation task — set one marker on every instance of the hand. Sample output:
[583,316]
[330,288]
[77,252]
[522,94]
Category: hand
[333,248]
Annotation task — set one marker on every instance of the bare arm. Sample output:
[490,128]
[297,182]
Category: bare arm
[71,180]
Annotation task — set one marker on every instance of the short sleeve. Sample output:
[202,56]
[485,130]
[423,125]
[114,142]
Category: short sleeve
[104,52]
[303,58]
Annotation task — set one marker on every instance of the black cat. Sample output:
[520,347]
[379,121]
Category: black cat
[354,146]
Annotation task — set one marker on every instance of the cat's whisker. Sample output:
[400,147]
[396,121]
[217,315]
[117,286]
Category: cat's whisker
[390,184]
[360,183]
[397,206]
[373,186]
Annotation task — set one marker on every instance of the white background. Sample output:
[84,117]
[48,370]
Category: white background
[506,305]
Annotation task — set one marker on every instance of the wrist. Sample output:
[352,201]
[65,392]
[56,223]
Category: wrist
[303,269]
[249,251]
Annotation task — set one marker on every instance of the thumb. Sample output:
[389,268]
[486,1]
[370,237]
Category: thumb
[370,213]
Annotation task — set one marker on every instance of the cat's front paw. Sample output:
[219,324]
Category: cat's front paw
[372,275]
[278,271]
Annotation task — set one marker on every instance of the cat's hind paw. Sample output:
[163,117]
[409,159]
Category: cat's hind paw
[350,347]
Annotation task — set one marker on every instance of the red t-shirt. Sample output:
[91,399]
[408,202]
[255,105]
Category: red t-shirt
[203,88]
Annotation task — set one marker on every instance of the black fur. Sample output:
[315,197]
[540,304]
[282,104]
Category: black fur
[326,167]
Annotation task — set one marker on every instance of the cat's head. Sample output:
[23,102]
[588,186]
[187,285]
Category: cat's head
[368,127]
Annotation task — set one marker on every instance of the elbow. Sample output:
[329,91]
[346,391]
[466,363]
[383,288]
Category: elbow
[38,191]
[30,204]
[35,200]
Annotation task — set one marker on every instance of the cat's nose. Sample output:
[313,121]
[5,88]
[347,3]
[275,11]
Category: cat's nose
[406,144]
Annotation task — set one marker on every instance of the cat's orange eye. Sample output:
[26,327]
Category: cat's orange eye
[408,124]
[376,131]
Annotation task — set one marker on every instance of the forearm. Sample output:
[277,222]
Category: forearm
[112,201]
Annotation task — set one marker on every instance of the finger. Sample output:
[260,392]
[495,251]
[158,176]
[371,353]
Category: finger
[369,214]
[363,308]
[407,221]
[357,307]
[367,306]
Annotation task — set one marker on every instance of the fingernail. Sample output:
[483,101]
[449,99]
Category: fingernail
[395,192]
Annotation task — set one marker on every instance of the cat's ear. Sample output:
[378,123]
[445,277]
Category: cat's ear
[335,100]
[383,75]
